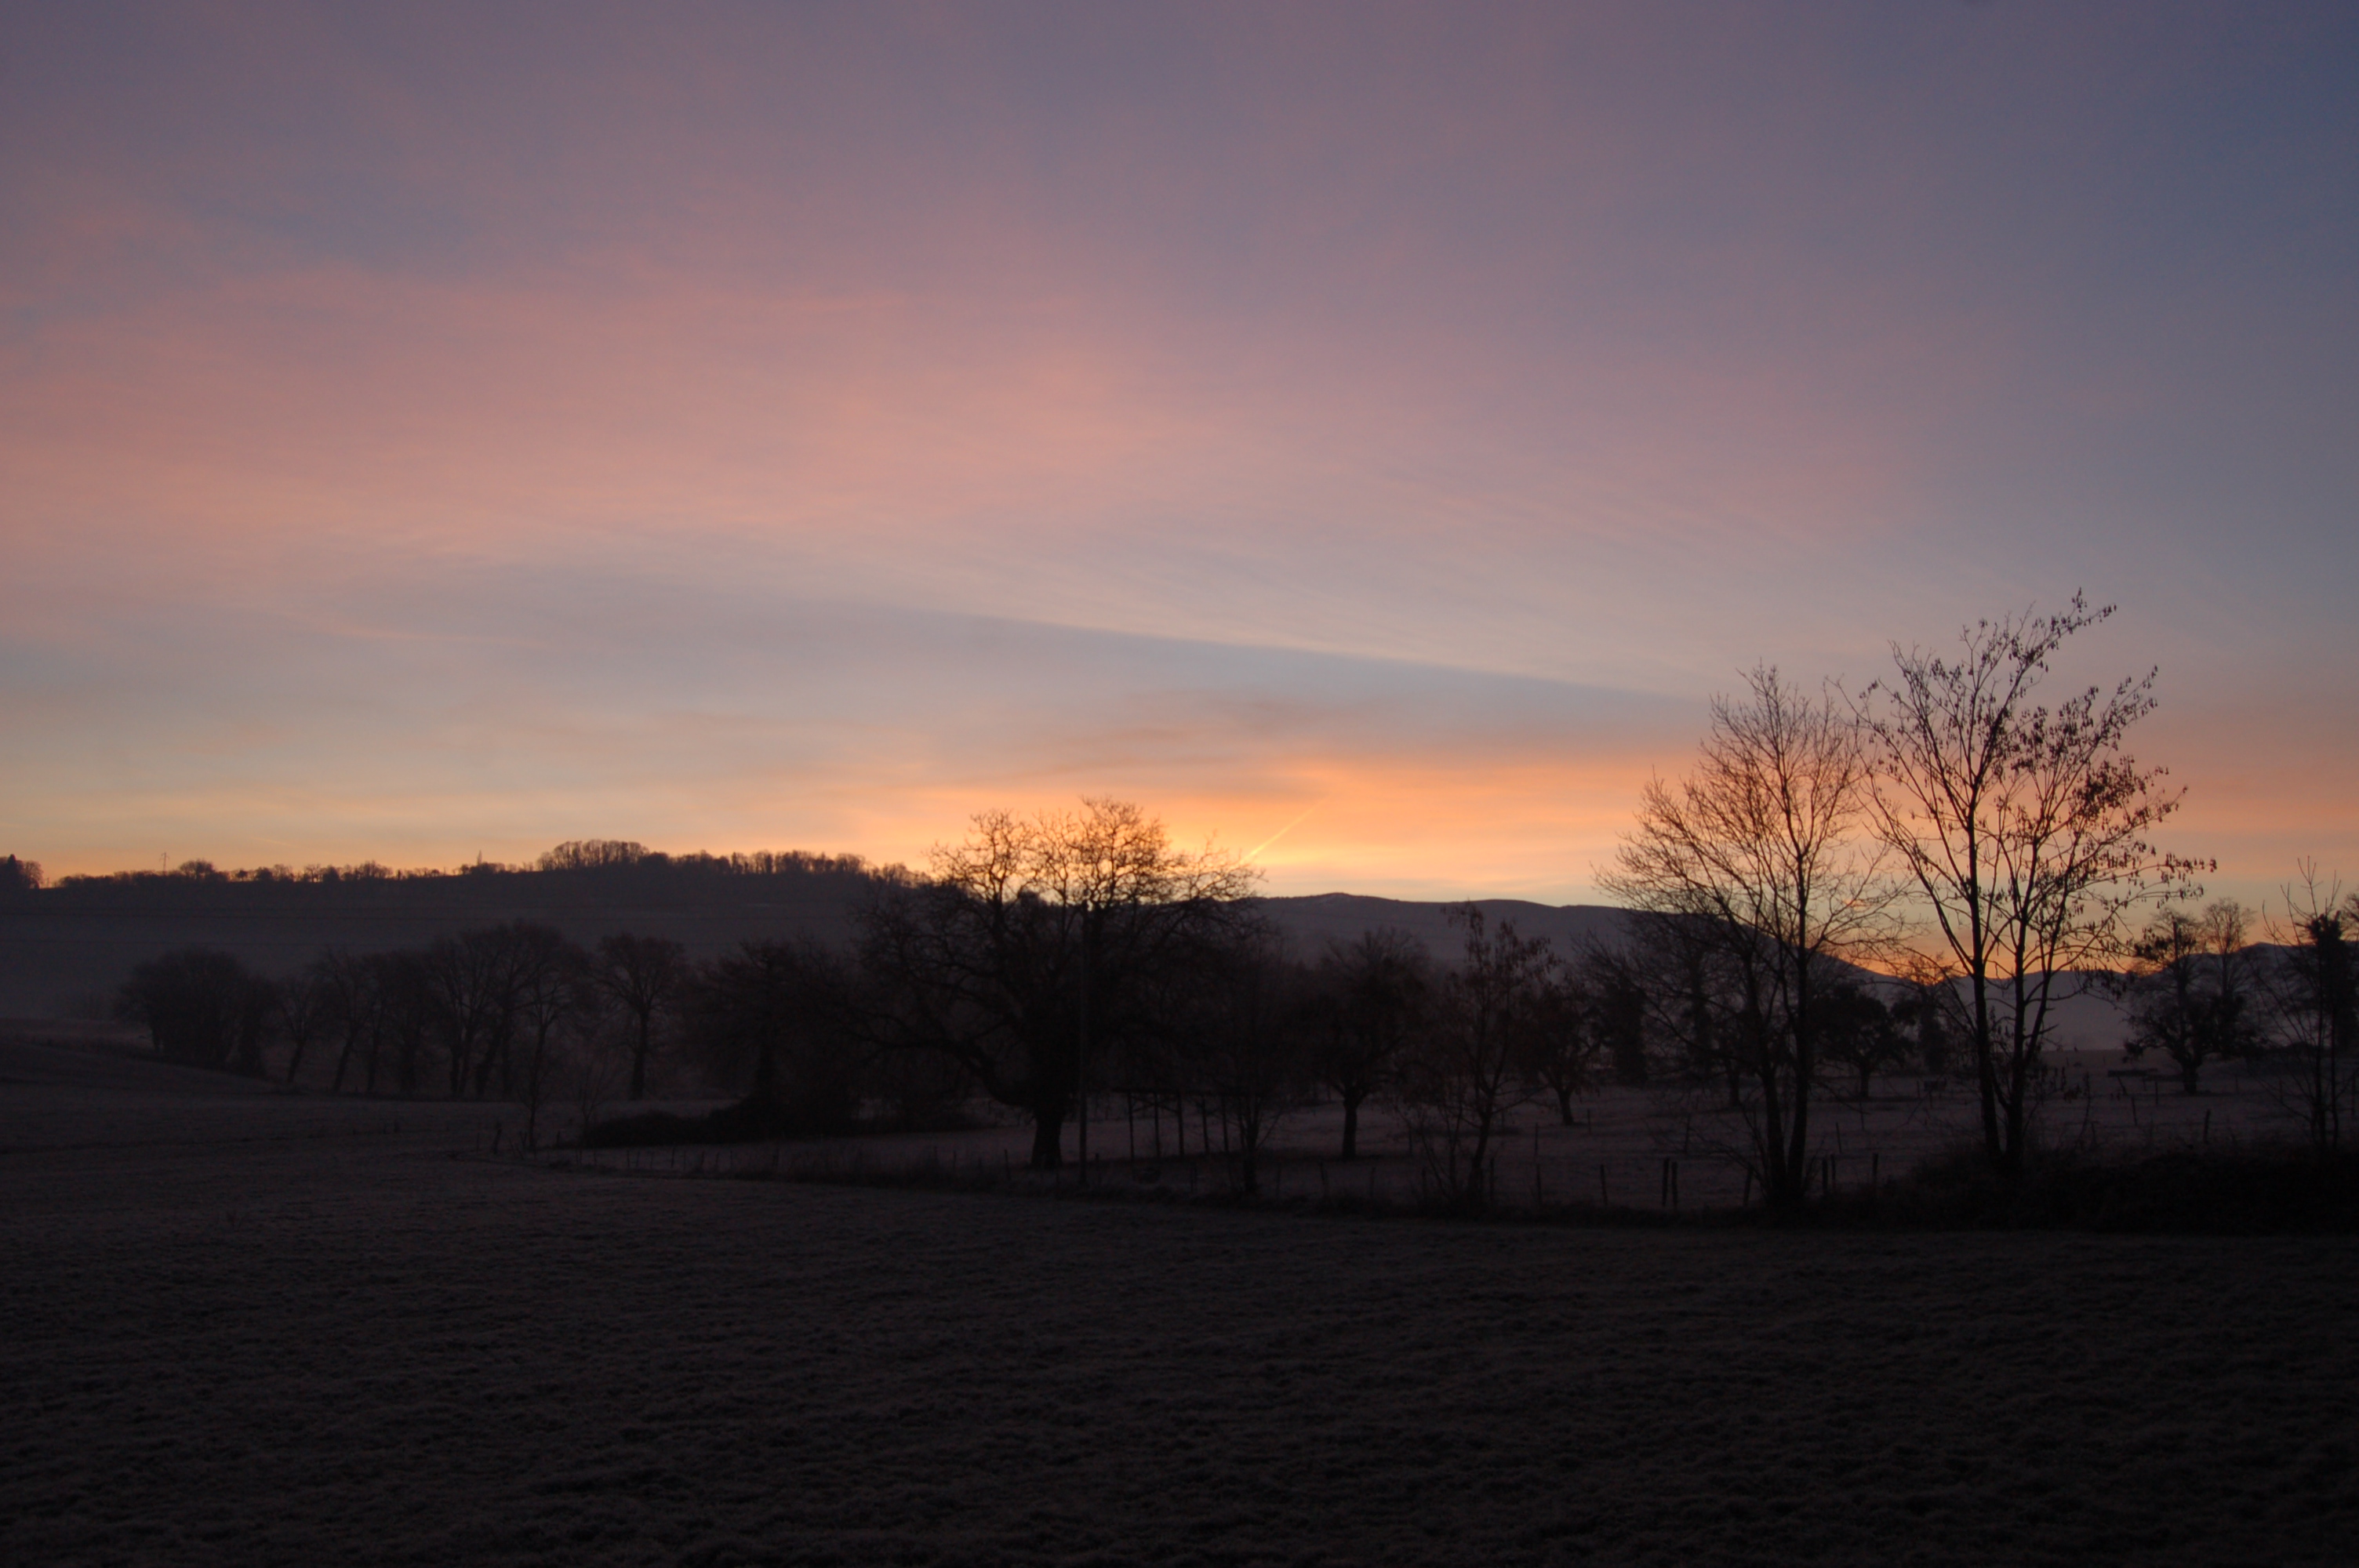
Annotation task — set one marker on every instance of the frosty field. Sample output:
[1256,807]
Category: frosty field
[253,1328]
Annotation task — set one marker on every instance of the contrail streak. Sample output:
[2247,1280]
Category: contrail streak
[1280,833]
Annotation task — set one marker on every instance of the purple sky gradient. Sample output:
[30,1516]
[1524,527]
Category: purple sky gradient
[429,431]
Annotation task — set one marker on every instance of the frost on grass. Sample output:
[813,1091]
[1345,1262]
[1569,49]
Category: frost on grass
[253,1329]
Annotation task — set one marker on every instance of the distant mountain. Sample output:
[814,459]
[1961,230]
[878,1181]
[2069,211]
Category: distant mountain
[1315,921]
[64,950]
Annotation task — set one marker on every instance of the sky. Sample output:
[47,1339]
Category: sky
[1366,436]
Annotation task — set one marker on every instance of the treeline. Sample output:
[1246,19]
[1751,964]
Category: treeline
[1992,850]
[2199,992]
[607,861]
[1078,957]
[1047,961]
[1923,869]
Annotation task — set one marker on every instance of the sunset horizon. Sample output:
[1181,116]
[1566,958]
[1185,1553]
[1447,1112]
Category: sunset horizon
[1375,436]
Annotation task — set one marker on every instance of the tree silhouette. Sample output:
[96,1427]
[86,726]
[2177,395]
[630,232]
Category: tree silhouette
[1564,1045]
[1243,1018]
[1859,1033]
[1458,1082]
[1376,993]
[1754,880]
[2316,991]
[1031,950]
[202,1009]
[644,977]
[552,999]
[304,1006]
[781,1018]
[2193,996]
[2026,830]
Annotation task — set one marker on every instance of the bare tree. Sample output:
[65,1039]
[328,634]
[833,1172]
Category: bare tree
[1858,1033]
[2316,989]
[552,1002]
[1756,876]
[2191,996]
[402,1019]
[471,996]
[1029,954]
[1377,991]
[1244,1012]
[1929,1008]
[1458,1081]
[303,1006]
[645,978]
[1618,1004]
[1564,1045]
[2026,830]
[779,1017]
[596,1071]
[353,999]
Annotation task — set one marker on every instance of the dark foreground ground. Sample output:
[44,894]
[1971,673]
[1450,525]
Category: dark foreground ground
[237,1328]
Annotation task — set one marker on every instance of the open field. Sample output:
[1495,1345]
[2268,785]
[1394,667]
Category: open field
[246,1327]
[1617,1152]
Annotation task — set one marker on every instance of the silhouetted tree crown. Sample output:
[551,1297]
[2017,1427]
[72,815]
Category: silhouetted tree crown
[202,1008]
[2025,829]
[1037,947]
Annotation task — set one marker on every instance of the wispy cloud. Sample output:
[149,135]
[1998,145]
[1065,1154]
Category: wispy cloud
[463,428]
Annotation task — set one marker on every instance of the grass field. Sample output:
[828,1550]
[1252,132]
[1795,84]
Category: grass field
[253,1328]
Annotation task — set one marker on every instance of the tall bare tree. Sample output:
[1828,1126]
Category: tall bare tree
[355,1001]
[304,1006]
[552,1001]
[2316,991]
[1757,872]
[1565,1045]
[468,986]
[1243,1010]
[2192,995]
[1456,1085]
[644,977]
[1378,993]
[2027,830]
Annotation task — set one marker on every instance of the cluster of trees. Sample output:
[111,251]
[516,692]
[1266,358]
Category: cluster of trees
[1843,882]
[513,1009]
[1989,853]
[608,858]
[1942,824]
[1046,960]
[2317,998]
[1071,955]
[2201,992]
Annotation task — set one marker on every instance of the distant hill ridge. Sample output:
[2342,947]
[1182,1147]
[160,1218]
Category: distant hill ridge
[64,949]
[1320,918]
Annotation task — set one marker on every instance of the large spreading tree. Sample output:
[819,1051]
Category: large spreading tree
[1037,947]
